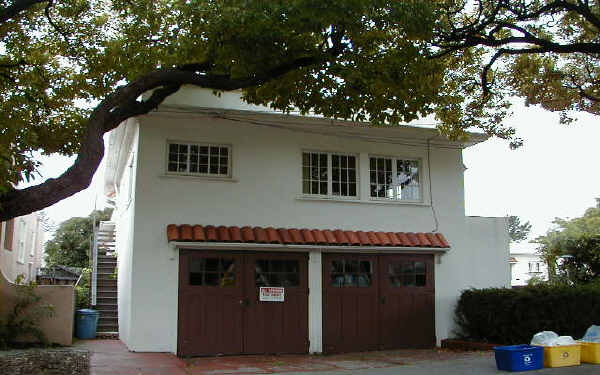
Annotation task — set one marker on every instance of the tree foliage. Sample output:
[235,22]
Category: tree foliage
[575,246]
[70,245]
[24,317]
[72,70]
[517,231]
[546,51]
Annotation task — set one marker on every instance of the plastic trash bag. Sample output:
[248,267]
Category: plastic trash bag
[563,340]
[544,338]
[592,334]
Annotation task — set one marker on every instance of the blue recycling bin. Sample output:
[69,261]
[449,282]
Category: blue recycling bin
[86,323]
[519,357]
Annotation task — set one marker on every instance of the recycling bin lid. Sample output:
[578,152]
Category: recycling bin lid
[87,312]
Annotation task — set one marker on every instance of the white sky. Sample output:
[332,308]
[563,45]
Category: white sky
[555,173]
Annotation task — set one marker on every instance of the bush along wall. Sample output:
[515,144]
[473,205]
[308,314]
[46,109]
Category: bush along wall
[513,316]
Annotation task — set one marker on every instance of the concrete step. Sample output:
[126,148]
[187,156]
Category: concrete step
[107,293]
[108,285]
[106,300]
[107,315]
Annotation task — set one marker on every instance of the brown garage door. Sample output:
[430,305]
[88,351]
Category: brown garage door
[219,307]
[378,302]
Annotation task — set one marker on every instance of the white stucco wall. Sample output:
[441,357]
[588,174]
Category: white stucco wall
[264,191]
[123,216]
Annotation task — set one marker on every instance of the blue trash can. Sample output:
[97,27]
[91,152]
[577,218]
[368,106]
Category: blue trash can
[519,357]
[87,322]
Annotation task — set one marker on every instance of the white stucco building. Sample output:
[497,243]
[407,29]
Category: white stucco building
[525,263]
[21,247]
[363,227]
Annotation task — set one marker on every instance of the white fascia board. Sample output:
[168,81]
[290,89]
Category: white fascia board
[306,248]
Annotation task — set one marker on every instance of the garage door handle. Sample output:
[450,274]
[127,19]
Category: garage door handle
[244,302]
[383,300]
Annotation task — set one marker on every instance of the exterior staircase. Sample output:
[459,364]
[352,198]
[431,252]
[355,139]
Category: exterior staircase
[104,281]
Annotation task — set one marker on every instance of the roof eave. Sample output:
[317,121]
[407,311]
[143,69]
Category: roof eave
[305,248]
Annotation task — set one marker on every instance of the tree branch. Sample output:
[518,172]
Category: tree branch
[117,107]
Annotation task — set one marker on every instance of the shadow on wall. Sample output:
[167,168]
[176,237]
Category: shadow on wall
[58,328]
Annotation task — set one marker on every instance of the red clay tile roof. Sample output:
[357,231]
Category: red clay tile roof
[210,233]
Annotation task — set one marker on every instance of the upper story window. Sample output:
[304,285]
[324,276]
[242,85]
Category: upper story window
[199,159]
[534,266]
[393,178]
[329,174]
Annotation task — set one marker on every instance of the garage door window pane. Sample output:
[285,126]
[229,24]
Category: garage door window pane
[283,273]
[407,274]
[219,272]
[350,273]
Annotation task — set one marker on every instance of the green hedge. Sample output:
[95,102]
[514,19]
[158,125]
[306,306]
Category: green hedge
[513,316]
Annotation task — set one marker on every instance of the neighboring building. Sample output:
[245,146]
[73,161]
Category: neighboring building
[21,247]
[212,198]
[525,265]
[58,275]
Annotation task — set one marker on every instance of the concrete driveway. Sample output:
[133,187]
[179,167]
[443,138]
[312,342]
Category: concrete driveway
[112,357]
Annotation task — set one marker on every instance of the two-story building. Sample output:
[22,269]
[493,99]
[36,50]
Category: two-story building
[21,247]
[243,230]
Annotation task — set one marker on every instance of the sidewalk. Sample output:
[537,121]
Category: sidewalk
[112,357]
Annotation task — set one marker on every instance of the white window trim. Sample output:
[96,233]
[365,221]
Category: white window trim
[394,169]
[330,195]
[199,175]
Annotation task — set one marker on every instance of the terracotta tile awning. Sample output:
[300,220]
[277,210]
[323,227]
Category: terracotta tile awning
[270,235]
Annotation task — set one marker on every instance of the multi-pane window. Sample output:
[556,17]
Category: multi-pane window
[343,175]
[199,159]
[273,272]
[393,178]
[351,272]
[534,267]
[329,174]
[407,274]
[212,272]
[314,173]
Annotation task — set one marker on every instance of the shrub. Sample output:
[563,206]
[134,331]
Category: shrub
[22,321]
[82,290]
[513,316]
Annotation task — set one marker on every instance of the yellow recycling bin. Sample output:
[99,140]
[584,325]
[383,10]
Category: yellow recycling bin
[562,356]
[590,352]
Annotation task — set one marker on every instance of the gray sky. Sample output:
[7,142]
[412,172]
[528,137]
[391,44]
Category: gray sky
[555,173]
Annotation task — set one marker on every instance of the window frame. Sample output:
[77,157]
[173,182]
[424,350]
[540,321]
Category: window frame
[9,235]
[395,159]
[330,194]
[209,175]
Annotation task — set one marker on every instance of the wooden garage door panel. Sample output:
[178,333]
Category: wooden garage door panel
[350,311]
[395,311]
[210,317]
[277,327]
[407,297]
